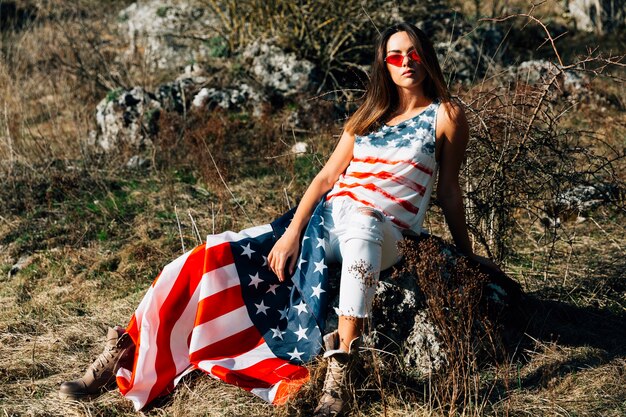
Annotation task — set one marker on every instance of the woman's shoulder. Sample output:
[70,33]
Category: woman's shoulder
[451,113]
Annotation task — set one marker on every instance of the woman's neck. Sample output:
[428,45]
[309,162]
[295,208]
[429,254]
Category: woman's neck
[409,101]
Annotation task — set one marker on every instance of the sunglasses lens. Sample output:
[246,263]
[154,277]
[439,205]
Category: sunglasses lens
[415,57]
[395,60]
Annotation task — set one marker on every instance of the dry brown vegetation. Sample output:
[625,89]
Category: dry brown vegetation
[91,235]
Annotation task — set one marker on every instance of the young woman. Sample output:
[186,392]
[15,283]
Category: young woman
[375,187]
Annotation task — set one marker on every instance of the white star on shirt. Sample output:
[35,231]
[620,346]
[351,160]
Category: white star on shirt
[302,333]
[277,333]
[394,129]
[302,261]
[301,307]
[408,136]
[256,280]
[305,238]
[261,308]
[320,266]
[412,123]
[317,290]
[272,289]
[320,242]
[264,260]
[365,140]
[295,354]
[247,251]
[321,221]
[426,119]
[283,313]
[421,132]
[380,134]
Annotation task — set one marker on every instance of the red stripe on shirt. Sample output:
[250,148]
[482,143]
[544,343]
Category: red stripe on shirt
[351,195]
[374,160]
[374,188]
[389,176]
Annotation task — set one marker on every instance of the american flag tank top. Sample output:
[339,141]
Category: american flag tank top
[393,169]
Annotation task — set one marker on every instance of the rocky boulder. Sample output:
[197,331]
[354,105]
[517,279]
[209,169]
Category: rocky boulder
[126,117]
[277,71]
[403,320]
[170,34]
[600,16]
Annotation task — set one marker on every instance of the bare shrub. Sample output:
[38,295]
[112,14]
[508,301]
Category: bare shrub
[453,292]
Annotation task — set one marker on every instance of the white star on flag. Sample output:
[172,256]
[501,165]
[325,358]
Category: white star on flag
[283,313]
[277,333]
[320,242]
[272,289]
[256,280]
[317,290]
[301,307]
[261,308]
[320,266]
[247,251]
[295,354]
[302,333]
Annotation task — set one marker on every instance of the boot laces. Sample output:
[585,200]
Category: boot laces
[104,359]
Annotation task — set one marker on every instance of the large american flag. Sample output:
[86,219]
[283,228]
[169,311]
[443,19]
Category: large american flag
[219,308]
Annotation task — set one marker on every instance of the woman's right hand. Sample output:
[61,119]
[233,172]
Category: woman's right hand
[284,253]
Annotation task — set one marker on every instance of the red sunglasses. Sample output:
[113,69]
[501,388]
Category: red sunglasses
[397,59]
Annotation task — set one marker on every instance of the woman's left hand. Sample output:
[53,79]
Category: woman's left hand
[486,262]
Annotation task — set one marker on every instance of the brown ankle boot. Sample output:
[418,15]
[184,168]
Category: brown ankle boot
[101,373]
[335,394]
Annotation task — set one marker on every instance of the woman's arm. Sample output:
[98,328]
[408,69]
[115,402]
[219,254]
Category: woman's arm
[454,130]
[285,251]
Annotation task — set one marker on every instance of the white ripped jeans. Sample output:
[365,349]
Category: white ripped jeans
[365,242]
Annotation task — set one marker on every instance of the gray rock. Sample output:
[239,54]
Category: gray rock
[230,98]
[169,34]
[600,16]
[537,72]
[23,262]
[127,117]
[277,71]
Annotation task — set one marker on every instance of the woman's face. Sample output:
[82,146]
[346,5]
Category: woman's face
[410,74]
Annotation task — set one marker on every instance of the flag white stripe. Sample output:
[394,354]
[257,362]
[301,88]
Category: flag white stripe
[148,323]
[220,328]
[243,361]
[218,280]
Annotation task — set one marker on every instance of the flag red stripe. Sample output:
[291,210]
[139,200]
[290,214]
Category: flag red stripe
[374,160]
[172,308]
[234,345]
[261,375]
[218,304]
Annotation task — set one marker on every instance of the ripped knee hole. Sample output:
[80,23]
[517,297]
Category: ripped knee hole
[368,211]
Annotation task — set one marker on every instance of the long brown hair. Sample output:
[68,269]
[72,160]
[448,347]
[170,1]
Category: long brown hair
[381,95]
